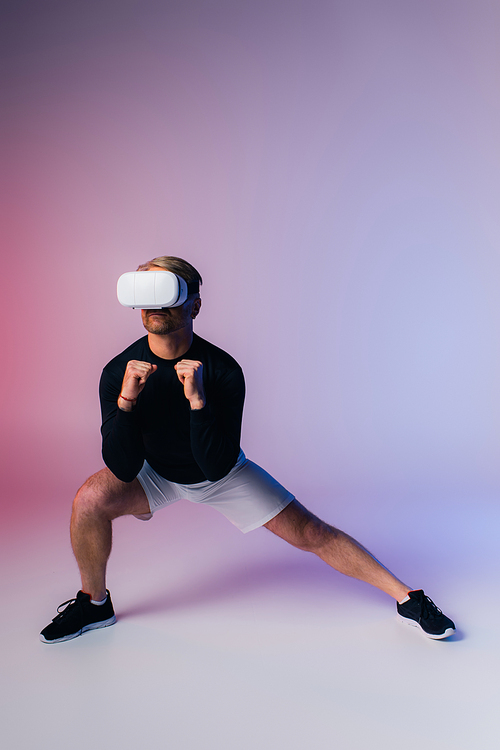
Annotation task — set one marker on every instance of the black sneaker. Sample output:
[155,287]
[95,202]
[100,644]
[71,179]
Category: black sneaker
[78,617]
[421,612]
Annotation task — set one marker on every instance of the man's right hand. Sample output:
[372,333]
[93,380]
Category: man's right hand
[134,381]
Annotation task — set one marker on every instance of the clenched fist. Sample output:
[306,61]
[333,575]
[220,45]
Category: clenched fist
[134,381]
[190,373]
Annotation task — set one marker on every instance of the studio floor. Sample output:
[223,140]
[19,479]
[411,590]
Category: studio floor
[225,641]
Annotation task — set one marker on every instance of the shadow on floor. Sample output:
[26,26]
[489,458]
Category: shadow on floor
[303,577]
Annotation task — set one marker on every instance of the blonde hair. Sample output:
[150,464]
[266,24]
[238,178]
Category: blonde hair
[175,265]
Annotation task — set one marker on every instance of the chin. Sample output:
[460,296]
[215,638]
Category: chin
[161,329]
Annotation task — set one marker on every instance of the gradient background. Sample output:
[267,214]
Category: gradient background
[332,169]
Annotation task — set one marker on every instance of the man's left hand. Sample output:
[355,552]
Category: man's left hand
[190,373]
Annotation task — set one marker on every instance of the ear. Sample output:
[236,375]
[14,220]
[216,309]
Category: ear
[196,307]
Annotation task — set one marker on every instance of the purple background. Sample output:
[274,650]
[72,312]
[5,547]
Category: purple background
[330,167]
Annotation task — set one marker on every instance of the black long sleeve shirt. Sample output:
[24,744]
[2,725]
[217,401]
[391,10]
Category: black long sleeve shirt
[182,445]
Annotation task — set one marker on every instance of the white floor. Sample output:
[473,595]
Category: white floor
[227,641]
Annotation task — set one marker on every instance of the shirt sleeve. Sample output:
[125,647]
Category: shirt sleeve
[122,444]
[215,430]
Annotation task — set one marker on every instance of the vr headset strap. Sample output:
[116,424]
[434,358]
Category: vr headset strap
[192,287]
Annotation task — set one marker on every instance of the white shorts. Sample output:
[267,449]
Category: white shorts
[248,496]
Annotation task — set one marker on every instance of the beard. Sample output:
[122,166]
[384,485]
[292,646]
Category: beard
[164,323]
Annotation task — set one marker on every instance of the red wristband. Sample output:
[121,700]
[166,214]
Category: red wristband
[126,399]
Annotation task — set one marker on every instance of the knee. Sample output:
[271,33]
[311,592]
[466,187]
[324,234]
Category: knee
[94,498]
[315,534]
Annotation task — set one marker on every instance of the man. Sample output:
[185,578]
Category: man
[171,419]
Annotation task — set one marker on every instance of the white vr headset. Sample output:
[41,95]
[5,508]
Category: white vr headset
[152,290]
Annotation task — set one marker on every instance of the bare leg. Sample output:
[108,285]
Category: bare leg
[102,498]
[298,526]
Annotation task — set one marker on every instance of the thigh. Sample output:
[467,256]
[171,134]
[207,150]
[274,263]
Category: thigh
[117,498]
[248,496]
[297,525]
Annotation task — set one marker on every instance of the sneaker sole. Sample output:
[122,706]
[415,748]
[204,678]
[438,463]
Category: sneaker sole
[91,626]
[434,636]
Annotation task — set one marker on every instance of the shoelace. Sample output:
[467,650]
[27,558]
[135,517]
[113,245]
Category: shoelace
[61,613]
[429,609]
